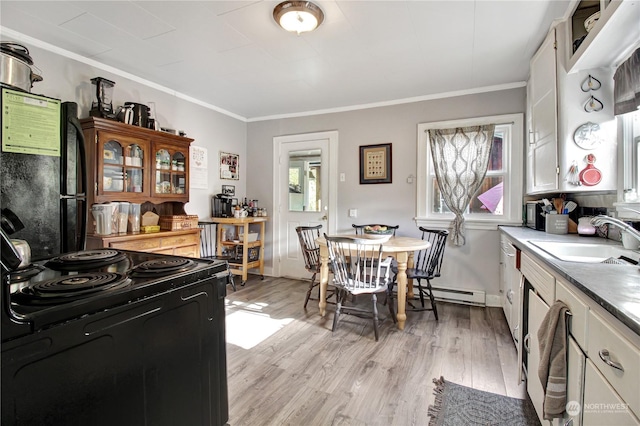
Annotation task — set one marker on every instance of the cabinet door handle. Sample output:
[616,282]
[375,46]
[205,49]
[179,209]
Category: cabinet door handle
[515,336]
[510,296]
[526,343]
[604,356]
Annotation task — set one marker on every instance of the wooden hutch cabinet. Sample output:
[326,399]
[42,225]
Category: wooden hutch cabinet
[139,165]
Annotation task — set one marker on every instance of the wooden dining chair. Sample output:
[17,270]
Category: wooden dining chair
[358,268]
[427,264]
[307,236]
[361,229]
[208,247]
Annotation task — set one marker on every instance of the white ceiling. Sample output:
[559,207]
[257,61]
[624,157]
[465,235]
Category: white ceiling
[232,55]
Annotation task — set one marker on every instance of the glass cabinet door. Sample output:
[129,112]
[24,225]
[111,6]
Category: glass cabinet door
[170,177]
[113,171]
[121,166]
[134,170]
[163,174]
[178,180]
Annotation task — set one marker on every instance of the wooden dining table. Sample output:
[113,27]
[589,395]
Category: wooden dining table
[401,248]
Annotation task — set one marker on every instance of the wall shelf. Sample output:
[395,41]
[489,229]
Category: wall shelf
[615,35]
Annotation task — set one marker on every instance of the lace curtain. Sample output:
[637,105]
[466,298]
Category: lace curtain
[460,159]
[626,93]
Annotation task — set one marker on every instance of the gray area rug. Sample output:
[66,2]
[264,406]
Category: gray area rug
[457,405]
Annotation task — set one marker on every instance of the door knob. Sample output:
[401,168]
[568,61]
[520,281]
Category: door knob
[324,217]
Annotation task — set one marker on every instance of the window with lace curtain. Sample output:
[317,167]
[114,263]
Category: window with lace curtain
[499,199]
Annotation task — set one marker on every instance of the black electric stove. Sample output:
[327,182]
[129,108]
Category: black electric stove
[115,337]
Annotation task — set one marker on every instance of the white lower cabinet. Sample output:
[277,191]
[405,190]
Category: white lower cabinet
[511,286]
[575,382]
[537,310]
[603,355]
[617,359]
[575,364]
[602,405]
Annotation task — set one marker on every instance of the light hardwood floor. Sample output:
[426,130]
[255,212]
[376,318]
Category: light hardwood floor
[286,367]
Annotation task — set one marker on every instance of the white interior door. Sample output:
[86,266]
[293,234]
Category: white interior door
[303,195]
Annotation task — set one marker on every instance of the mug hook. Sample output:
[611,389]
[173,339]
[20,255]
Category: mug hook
[590,83]
[593,105]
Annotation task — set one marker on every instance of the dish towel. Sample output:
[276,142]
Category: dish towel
[552,339]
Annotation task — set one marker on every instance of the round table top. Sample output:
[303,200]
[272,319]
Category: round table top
[392,244]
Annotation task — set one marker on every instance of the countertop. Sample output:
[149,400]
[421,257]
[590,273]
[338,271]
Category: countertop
[614,287]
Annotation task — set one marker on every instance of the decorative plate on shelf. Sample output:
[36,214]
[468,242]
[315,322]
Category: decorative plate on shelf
[588,136]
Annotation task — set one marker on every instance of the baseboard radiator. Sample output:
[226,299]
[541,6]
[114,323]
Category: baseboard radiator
[457,295]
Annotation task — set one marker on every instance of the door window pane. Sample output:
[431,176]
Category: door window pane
[305,168]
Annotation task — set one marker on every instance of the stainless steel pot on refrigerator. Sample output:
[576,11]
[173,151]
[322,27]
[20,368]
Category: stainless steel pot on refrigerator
[15,67]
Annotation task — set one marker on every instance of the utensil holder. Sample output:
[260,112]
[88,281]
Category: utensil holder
[557,223]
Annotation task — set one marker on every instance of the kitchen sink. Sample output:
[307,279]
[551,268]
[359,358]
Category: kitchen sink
[589,253]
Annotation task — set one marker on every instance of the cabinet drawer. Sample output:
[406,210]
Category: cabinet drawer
[603,337]
[579,312]
[138,245]
[188,251]
[602,405]
[167,250]
[540,279]
[180,240]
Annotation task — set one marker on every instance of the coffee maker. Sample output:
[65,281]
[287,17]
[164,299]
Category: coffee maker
[222,205]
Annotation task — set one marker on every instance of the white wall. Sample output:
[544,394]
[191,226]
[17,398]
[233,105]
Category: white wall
[70,80]
[474,265]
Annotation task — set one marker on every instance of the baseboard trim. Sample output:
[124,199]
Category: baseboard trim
[459,295]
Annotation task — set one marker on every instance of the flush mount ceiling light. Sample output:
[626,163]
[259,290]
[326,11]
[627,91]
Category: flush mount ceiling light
[298,16]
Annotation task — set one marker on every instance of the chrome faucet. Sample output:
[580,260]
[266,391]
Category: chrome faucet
[602,219]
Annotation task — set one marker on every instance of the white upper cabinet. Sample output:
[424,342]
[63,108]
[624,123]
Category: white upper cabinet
[572,129]
[542,143]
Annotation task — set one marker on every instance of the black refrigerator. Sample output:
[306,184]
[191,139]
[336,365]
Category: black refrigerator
[43,173]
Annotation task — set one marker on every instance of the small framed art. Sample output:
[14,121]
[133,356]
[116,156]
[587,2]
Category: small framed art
[229,190]
[375,163]
[229,166]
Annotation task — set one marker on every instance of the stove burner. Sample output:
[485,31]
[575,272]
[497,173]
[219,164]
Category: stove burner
[87,259]
[160,267]
[70,287]
[24,274]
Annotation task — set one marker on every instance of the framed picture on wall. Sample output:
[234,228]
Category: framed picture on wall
[229,190]
[375,163]
[229,166]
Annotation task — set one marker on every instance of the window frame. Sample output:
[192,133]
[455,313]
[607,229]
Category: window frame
[628,126]
[513,183]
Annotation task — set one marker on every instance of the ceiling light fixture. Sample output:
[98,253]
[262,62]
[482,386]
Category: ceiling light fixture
[298,16]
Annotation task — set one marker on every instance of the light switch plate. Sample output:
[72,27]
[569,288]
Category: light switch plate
[342,177]
[353,212]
